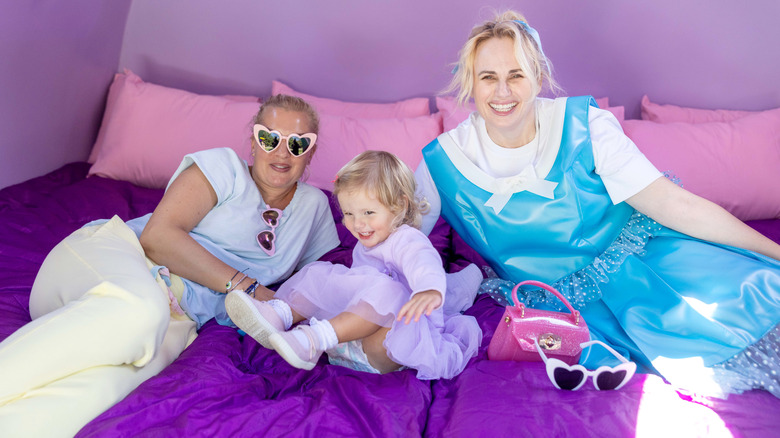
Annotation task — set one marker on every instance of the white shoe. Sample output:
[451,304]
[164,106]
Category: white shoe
[300,356]
[257,318]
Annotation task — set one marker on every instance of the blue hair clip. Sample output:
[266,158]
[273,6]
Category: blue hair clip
[534,34]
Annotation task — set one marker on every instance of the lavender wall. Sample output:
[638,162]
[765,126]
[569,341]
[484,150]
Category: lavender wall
[58,57]
[56,61]
[703,53]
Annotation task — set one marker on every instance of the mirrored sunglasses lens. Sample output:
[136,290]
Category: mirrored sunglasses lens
[266,240]
[608,380]
[271,217]
[298,145]
[568,379]
[267,140]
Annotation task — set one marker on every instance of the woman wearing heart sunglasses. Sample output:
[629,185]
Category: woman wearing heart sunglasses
[116,302]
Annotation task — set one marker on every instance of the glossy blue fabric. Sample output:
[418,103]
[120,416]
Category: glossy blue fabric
[569,239]
[667,297]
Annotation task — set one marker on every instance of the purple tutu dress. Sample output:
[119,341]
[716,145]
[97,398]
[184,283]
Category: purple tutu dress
[381,280]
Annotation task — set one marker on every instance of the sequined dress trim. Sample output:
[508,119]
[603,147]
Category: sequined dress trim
[756,367]
[582,286]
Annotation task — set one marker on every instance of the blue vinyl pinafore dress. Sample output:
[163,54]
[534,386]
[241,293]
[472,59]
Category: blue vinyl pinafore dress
[665,299]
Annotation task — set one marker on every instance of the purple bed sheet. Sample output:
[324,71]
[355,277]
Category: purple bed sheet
[226,385]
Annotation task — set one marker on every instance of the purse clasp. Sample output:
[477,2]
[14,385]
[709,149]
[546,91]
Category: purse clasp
[549,341]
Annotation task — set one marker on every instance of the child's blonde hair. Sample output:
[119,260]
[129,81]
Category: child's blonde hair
[389,179]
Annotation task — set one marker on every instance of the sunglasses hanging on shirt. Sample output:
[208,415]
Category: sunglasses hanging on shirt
[267,238]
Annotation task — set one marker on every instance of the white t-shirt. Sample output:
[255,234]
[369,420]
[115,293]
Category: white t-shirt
[306,229]
[624,170]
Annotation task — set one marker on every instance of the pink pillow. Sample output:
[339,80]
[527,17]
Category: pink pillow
[452,114]
[147,129]
[341,138]
[734,164]
[405,108]
[673,113]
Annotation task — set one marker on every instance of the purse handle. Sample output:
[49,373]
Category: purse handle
[574,313]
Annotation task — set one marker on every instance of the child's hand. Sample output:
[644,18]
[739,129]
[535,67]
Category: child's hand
[423,302]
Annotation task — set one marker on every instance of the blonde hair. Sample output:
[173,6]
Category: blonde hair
[289,103]
[387,178]
[536,67]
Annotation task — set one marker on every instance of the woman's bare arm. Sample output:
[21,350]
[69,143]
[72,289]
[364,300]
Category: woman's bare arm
[681,210]
[166,238]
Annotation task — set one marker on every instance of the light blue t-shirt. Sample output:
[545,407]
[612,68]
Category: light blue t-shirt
[306,230]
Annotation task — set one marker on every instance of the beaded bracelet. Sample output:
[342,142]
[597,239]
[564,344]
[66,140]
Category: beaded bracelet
[251,289]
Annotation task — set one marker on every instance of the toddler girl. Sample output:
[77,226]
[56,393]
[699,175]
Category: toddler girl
[386,311]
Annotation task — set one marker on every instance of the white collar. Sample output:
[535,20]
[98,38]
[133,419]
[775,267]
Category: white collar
[549,113]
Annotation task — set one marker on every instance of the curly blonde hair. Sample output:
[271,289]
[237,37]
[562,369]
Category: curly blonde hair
[387,178]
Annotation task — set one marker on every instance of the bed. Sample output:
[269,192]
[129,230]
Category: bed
[227,385]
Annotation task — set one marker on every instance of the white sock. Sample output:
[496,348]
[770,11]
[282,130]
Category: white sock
[327,336]
[323,332]
[283,310]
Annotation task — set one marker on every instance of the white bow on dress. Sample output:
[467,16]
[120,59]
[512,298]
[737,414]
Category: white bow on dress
[526,180]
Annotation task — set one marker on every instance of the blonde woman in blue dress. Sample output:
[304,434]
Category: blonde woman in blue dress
[552,190]
[387,310]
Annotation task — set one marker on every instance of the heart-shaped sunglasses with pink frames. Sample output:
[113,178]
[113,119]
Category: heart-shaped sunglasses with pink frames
[270,139]
[267,238]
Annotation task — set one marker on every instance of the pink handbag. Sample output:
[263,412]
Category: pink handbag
[558,334]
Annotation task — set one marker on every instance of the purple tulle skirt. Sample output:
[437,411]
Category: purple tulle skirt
[438,346]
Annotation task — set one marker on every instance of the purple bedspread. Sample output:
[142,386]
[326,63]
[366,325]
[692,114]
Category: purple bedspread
[226,385]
